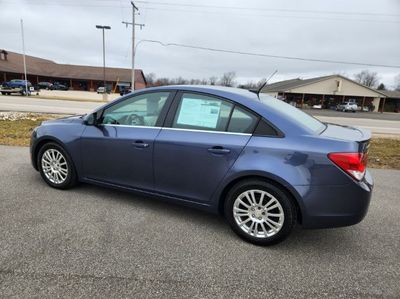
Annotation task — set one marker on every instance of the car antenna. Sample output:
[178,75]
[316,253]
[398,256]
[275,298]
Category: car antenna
[262,85]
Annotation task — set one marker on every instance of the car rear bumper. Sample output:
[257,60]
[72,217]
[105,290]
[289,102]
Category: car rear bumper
[335,206]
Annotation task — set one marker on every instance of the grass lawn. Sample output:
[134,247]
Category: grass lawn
[17,132]
[383,153]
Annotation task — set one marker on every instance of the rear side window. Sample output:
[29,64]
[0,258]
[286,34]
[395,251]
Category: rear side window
[201,112]
[301,118]
[242,121]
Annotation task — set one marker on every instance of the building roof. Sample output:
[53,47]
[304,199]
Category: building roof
[48,68]
[393,94]
[287,85]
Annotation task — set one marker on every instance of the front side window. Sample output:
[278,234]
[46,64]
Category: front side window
[201,112]
[139,110]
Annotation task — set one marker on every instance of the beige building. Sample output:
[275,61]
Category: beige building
[327,91]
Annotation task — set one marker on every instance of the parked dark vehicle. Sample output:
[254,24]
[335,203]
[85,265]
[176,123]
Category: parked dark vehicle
[58,86]
[45,85]
[124,91]
[265,165]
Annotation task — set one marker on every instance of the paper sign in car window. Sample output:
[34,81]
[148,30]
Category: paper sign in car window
[199,113]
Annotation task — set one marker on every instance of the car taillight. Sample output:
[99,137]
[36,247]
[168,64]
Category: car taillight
[352,163]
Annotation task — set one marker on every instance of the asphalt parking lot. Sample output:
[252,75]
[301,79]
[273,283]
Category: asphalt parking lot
[95,242]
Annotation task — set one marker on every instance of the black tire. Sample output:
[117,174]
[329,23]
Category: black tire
[287,206]
[71,178]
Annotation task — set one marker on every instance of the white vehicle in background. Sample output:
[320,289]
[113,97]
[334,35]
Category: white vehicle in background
[349,105]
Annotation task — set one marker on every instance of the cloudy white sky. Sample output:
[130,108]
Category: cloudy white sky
[365,31]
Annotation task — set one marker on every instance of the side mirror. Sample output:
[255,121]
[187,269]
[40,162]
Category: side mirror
[93,119]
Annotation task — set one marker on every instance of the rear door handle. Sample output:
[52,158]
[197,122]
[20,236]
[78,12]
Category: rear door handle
[140,144]
[219,150]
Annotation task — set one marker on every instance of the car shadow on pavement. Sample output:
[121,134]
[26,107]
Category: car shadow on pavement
[152,204]
[331,240]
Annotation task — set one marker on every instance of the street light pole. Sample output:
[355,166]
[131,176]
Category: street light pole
[23,55]
[104,60]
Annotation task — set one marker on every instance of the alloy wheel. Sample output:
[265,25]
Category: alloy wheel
[54,166]
[258,213]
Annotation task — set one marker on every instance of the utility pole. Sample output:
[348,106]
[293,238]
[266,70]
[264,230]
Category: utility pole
[23,55]
[104,60]
[134,8]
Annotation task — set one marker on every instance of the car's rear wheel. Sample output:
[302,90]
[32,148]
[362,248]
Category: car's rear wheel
[56,167]
[260,212]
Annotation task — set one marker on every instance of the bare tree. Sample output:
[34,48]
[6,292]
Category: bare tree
[204,81]
[249,85]
[195,82]
[397,82]
[180,81]
[162,82]
[150,79]
[228,79]
[213,80]
[367,78]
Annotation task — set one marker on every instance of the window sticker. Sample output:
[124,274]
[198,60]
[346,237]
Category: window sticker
[199,113]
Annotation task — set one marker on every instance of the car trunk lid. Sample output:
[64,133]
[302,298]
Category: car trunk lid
[347,133]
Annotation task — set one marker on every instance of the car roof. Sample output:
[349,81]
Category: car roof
[247,99]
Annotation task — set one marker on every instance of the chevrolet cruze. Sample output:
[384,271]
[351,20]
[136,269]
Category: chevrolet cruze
[263,164]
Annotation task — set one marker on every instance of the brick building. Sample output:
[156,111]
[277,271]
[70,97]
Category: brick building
[76,77]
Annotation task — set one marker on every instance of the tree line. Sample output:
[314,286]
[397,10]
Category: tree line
[365,77]
[226,79]
[371,79]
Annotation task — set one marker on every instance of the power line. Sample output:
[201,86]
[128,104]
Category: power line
[291,17]
[266,55]
[270,9]
[104,4]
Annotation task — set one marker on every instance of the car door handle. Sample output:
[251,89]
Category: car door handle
[219,150]
[140,144]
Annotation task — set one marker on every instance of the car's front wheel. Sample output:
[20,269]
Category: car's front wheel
[56,167]
[260,212]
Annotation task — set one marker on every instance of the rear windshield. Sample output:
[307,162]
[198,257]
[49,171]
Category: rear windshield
[292,112]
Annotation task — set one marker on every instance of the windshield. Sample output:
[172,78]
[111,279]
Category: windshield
[302,118]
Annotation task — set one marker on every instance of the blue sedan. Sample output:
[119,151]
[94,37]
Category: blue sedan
[263,164]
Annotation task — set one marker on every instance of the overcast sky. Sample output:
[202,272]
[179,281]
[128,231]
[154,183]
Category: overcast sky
[365,31]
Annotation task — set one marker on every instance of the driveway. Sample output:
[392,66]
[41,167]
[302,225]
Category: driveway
[96,242]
